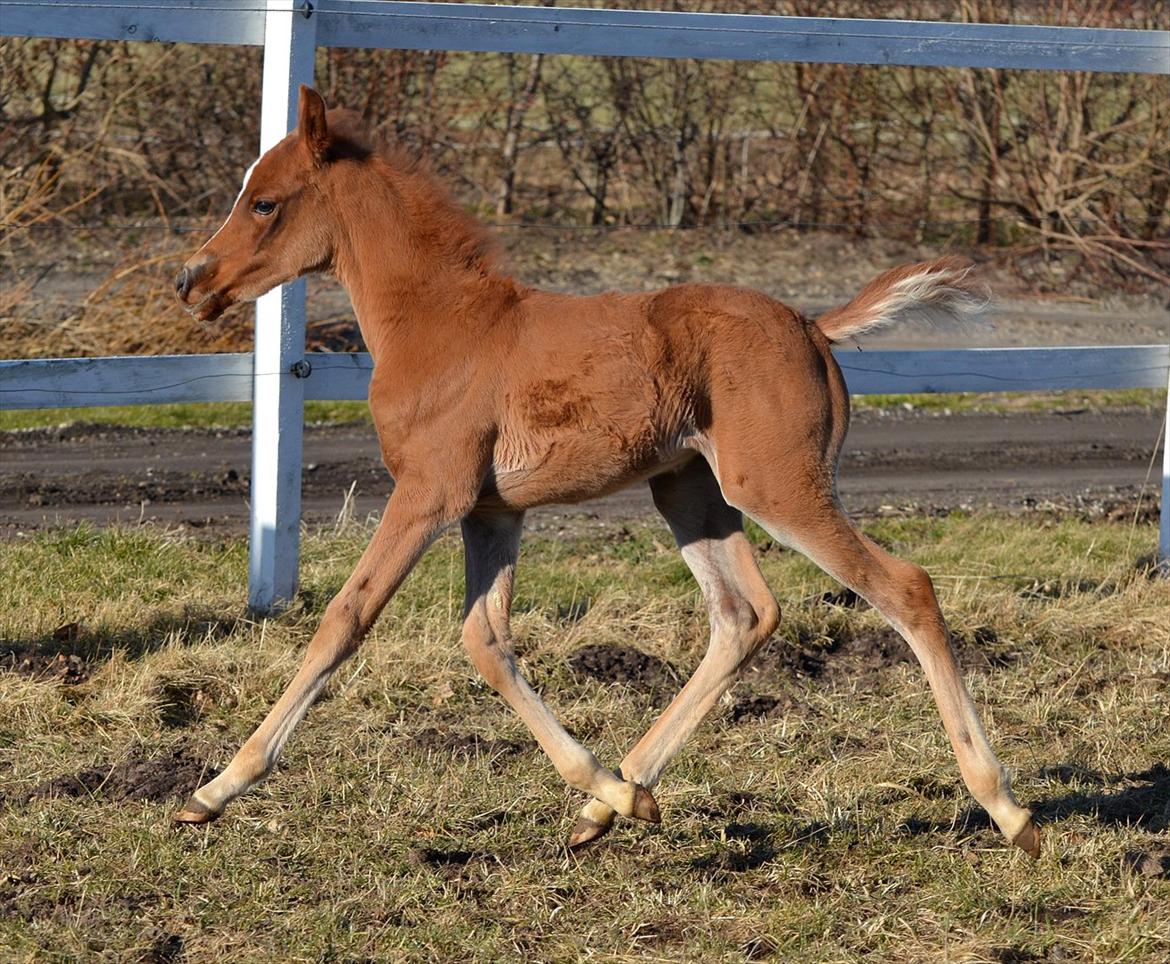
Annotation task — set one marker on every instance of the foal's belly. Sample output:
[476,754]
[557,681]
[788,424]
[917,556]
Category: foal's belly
[586,423]
[575,469]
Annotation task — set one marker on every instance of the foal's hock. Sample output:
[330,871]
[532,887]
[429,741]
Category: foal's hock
[490,397]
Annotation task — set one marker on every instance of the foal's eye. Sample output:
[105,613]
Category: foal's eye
[264,207]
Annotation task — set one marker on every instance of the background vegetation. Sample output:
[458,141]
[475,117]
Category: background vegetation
[118,152]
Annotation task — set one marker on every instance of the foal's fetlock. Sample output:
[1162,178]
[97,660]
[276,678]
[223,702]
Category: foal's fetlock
[627,797]
[1020,830]
[639,801]
[1014,822]
[597,818]
[208,802]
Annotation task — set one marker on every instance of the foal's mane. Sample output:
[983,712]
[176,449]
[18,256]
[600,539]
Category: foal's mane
[443,219]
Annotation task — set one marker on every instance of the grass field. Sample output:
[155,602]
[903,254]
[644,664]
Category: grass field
[817,816]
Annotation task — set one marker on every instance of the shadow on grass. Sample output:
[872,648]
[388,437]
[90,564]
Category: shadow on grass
[1140,799]
[68,651]
[744,846]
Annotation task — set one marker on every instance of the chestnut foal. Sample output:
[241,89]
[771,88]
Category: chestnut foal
[490,398]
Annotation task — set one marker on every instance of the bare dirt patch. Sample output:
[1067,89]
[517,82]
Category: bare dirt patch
[856,658]
[760,706]
[55,662]
[627,666]
[432,740]
[862,655]
[138,777]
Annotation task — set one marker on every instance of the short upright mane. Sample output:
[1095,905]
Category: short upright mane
[462,235]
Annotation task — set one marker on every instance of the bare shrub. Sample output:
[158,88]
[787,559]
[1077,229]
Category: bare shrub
[116,156]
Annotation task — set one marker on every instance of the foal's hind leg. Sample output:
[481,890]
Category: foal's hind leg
[491,543]
[742,610]
[808,517]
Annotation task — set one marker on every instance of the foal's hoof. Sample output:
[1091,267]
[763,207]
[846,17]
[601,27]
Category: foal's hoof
[645,806]
[195,812]
[1028,840]
[586,830]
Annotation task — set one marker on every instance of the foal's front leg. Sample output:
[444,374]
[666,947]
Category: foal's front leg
[491,543]
[412,519]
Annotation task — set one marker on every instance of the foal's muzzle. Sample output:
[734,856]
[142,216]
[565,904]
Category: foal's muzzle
[187,280]
[191,288]
[183,281]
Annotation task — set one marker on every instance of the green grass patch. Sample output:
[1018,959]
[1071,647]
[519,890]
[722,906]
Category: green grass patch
[210,415]
[239,414]
[411,817]
[1096,400]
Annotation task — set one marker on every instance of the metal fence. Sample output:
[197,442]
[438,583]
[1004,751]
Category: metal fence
[275,377]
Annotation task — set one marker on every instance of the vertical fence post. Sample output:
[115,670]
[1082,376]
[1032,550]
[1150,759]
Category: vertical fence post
[1164,511]
[278,393]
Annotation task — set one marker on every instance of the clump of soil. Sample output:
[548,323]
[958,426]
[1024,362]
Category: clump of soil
[864,655]
[760,706]
[1152,864]
[69,669]
[861,658]
[165,948]
[462,869]
[436,859]
[138,777]
[786,659]
[624,664]
[182,704]
[469,744]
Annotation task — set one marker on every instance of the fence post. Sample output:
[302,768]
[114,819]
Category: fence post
[1164,510]
[278,393]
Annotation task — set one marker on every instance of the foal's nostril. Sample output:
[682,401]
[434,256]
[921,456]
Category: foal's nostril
[183,282]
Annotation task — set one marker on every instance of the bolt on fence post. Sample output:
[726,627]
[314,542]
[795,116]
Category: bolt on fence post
[278,394]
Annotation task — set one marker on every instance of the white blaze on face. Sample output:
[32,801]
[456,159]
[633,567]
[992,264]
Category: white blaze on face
[243,189]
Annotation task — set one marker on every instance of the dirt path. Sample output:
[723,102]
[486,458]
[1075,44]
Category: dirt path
[1087,462]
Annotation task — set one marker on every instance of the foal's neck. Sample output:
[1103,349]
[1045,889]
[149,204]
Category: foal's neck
[414,264]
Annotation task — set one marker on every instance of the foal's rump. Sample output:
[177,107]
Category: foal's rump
[773,400]
[758,372]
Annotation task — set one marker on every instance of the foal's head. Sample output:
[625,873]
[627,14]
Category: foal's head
[281,225]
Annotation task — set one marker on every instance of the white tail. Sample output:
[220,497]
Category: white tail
[942,290]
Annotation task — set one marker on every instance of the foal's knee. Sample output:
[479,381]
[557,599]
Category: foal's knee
[914,600]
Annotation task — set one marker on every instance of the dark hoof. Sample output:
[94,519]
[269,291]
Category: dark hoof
[1028,840]
[645,806]
[195,812]
[585,831]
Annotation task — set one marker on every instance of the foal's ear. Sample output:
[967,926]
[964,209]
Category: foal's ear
[311,124]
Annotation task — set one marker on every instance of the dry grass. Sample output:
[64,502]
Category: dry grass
[412,819]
